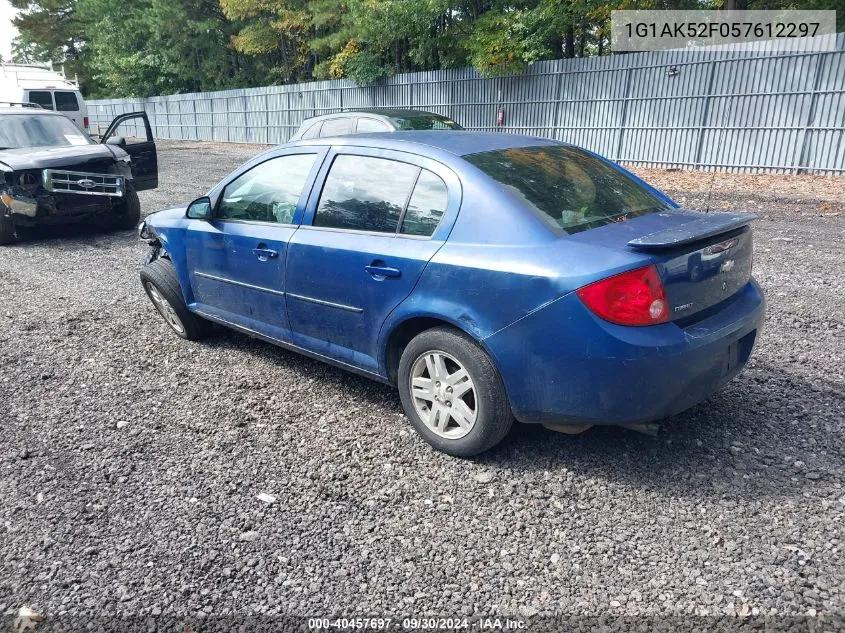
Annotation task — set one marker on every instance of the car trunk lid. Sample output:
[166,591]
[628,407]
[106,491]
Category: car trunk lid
[703,258]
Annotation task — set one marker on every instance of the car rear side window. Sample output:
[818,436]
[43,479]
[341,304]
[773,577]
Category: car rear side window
[42,97]
[365,194]
[371,125]
[336,127]
[570,189]
[427,205]
[269,192]
[66,101]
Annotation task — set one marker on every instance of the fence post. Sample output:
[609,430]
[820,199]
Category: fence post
[628,74]
[811,113]
[705,112]
[556,110]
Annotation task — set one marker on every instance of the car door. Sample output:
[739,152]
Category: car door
[236,260]
[132,133]
[368,234]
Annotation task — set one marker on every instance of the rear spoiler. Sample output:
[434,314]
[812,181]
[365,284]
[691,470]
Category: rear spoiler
[702,226]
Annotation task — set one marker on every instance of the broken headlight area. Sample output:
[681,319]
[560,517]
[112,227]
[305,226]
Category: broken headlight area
[146,232]
[19,192]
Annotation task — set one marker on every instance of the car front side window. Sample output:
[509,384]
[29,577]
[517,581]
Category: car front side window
[269,192]
[363,193]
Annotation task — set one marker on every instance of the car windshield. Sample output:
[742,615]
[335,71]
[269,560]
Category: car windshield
[424,121]
[567,187]
[39,130]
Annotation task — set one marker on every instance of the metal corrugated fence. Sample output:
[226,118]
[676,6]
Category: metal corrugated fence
[742,110]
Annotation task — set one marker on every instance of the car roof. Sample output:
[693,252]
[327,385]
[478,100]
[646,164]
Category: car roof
[390,112]
[377,112]
[456,142]
[6,109]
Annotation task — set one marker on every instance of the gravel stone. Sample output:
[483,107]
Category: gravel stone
[160,517]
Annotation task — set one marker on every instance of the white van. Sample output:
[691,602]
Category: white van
[32,83]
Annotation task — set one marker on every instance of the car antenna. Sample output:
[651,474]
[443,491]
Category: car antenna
[709,190]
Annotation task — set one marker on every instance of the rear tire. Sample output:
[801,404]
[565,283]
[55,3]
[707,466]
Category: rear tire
[162,287]
[452,393]
[7,230]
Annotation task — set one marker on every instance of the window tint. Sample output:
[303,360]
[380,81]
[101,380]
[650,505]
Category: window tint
[371,125]
[336,127]
[365,194]
[427,205]
[567,187]
[313,131]
[425,121]
[268,192]
[42,98]
[66,101]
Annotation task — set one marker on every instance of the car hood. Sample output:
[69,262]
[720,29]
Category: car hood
[65,156]
[167,216]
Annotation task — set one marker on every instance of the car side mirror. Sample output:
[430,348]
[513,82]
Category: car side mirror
[116,140]
[200,209]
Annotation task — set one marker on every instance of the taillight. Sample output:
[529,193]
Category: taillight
[85,122]
[635,297]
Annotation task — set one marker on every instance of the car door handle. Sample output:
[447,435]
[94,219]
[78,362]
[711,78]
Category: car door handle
[264,254]
[383,271]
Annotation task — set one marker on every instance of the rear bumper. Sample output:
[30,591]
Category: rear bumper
[564,365]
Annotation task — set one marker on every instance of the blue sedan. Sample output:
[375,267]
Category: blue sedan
[490,277]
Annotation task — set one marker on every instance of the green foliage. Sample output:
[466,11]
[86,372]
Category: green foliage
[146,47]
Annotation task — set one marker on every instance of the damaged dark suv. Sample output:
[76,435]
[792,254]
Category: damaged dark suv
[53,173]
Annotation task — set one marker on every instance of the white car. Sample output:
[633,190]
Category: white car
[39,84]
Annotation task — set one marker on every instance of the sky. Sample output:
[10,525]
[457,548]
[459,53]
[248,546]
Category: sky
[7,31]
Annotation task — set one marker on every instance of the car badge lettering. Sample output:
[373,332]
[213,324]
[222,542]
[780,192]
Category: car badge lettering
[721,247]
[86,183]
[683,307]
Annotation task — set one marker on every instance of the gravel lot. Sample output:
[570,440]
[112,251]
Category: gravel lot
[131,460]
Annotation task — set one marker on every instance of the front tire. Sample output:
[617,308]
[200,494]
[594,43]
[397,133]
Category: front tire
[130,214]
[7,230]
[452,393]
[162,287]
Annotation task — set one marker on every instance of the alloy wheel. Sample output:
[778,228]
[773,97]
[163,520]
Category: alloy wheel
[165,309]
[443,394]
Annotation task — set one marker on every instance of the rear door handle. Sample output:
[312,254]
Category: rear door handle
[264,254]
[380,272]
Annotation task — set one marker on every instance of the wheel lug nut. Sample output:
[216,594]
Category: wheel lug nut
[437,384]
[448,390]
[448,404]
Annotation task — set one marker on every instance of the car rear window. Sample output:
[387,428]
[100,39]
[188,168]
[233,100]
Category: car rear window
[567,187]
[66,101]
[42,98]
[425,121]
